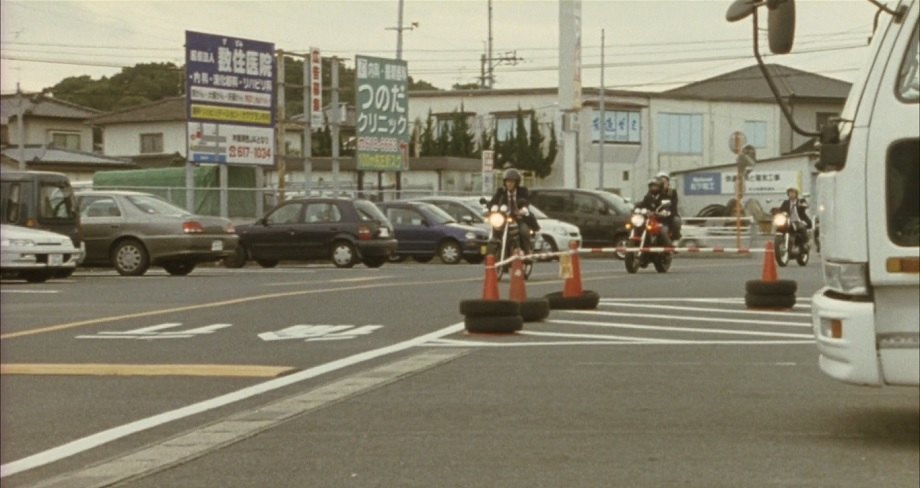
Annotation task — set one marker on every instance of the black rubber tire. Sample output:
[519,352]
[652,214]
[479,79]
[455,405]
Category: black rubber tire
[632,262]
[343,254]
[133,253]
[769,301]
[663,262]
[63,273]
[778,287]
[36,276]
[237,259]
[588,300]
[494,324]
[179,268]
[534,309]
[267,263]
[423,259]
[489,308]
[803,258]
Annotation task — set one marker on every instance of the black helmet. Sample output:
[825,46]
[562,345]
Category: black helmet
[512,174]
[654,184]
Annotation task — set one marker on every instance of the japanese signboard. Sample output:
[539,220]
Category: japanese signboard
[703,184]
[762,181]
[316,88]
[230,103]
[382,107]
[620,126]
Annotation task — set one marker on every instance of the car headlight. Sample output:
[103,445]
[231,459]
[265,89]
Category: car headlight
[17,243]
[847,278]
[470,235]
[496,219]
[637,220]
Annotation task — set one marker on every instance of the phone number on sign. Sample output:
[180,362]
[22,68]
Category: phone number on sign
[246,152]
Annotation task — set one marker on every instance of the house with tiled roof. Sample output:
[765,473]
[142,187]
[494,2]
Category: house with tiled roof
[46,121]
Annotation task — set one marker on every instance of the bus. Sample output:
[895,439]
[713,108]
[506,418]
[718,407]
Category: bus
[866,317]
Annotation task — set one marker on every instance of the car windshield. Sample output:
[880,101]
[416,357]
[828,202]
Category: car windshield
[57,201]
[437,215]
[369,212]
[152,205]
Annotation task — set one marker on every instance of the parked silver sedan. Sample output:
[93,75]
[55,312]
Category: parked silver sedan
[35,255]
[132,231]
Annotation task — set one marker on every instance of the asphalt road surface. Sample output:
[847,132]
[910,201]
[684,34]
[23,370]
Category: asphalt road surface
[307,375]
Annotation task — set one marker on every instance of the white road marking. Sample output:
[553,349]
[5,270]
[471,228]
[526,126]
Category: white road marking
[690,318]
[310,333]
[36,292]
[109,435]
[754,342]
[359,279]
[611,303]
[154,332]
[682,329]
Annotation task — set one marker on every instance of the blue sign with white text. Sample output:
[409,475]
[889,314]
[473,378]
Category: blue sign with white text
[703,184]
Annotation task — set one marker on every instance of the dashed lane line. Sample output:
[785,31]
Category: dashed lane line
[657,306]
[682,329]
[212,370]
[691,318]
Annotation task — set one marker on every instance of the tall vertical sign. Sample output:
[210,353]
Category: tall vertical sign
[230,107]
[316,88]
[570,86]
[382,111]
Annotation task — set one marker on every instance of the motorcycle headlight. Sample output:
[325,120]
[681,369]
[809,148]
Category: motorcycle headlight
[637,220]
[780,220]
[496,219]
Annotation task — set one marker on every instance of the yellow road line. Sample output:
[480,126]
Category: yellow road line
[235,370]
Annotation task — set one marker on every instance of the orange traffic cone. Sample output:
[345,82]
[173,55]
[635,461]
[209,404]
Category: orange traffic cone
[573,283]
[490,285]
[769,264]
[517,292]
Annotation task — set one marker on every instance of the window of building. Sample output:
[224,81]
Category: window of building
[680,133]
[506,125]
[620,126]
[756,133]
[152,143]
[626,176]
[66,140]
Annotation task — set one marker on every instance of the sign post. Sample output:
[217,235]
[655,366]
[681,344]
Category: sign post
[488,171]
[736,143]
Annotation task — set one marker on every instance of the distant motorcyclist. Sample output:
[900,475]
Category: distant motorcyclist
[652,201]
[795,207]
[674,222]
[517,197]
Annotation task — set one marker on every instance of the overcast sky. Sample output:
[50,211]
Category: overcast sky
[650,44]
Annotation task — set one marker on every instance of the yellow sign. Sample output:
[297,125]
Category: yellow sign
[228,114]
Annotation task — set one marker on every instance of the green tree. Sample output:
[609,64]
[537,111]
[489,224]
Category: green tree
[526,151]
[142,83]
[466,86]
[462,142]
[420,85]
[429,147]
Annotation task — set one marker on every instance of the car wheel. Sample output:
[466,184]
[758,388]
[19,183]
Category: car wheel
[130,258]
[267,263]
[237,259]
[551,245]
[374,261]
[37,276]
[422,259]
[343,254]
[179,268]
[450,252]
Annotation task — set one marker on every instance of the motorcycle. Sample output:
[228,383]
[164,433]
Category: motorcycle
[504,238]
[646,230]
[785,244]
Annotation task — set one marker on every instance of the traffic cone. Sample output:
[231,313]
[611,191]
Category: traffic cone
[490,285]
[769,264]
[573,283]
[517,292]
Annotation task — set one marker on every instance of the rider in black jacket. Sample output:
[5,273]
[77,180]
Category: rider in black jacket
[795,208]
[652,201]
[516,197]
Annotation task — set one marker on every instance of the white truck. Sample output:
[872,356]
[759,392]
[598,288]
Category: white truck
[866,318]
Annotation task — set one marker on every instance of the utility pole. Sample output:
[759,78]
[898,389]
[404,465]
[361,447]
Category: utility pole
[334,122]
[281,152]
[488,62]
[21,128]
[600,173]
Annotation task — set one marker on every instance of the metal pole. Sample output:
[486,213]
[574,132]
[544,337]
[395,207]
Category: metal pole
[600,172]
[335,124]
[399,31]
[489,59]
[307,150]
[281,151]
[20,128]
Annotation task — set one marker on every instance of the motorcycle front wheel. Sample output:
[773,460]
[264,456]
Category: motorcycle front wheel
[632,262]
[780,251]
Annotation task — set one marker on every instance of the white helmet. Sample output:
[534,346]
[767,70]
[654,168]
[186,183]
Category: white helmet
[663,175]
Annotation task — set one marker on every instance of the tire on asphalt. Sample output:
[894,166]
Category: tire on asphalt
[778,287]
[494,324]
[534,309]
[588,300]
[489,308]
[179,268]
[769,301]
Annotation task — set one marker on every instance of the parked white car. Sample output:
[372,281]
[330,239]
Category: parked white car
[35,255]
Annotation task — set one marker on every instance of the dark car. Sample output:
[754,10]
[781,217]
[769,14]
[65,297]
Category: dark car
[342,230]
[131,231]
[601,216]
[425,231]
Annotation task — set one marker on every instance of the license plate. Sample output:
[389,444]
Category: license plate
[483,250]
[217,245]
[55,260]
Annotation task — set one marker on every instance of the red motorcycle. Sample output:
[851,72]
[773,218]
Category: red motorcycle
[646,230]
